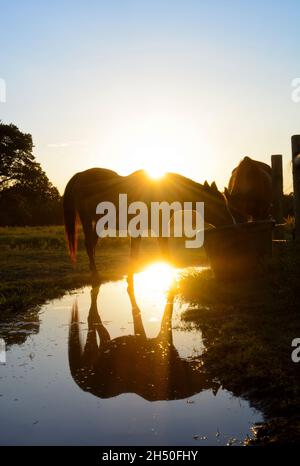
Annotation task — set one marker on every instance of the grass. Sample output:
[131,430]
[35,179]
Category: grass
[248,328]
[35,265]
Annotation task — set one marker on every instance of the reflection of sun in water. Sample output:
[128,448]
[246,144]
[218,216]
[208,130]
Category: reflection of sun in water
[151,287]
[158,275]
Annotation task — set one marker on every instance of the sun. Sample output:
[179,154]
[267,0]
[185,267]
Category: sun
[155,172]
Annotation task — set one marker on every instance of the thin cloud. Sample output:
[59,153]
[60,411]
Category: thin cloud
[56,145]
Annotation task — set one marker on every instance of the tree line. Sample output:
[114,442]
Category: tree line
[27,197]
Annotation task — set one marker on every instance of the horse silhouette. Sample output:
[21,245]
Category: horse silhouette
[149,367]
[87,189]
[249,192]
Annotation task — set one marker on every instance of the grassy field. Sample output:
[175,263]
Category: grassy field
[35,265]
[248,328]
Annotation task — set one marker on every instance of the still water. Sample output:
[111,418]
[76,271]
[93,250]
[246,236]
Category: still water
[128,375]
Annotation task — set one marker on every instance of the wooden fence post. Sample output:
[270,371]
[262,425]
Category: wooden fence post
[277,187]
[296,181]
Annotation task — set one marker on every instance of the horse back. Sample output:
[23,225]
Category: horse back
[86,184]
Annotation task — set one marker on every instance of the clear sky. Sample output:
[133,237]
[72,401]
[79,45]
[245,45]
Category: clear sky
[189,86]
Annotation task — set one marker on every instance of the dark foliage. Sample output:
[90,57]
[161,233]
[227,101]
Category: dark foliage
[27,197]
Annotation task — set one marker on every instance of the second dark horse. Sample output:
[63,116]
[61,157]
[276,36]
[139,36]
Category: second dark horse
[249,192]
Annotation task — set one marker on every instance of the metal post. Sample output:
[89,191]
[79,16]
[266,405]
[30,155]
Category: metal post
[296,180]
[277,187]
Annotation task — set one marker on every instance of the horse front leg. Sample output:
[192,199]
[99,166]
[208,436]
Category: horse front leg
[133,261]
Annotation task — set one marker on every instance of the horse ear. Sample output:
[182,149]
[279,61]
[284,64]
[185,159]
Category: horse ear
[206,185]
[214,187]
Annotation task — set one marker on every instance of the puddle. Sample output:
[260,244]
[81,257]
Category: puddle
[134,381]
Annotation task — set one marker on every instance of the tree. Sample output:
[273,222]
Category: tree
[15,154]
[26,194]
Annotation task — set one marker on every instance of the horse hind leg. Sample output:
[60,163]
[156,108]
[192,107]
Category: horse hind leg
[90,240]
[96,281]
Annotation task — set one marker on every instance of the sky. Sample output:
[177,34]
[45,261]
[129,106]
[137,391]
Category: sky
[188,86]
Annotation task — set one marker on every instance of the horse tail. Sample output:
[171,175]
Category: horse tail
[70,218]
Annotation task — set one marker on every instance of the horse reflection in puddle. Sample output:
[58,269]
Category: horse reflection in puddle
[149,367]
